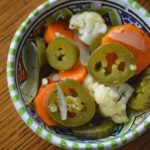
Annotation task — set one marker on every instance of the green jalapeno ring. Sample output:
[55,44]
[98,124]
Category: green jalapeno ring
[83,95]
[62,53]
[97,64]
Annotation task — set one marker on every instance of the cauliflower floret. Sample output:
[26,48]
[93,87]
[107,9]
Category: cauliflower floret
[112,101]
[89,25]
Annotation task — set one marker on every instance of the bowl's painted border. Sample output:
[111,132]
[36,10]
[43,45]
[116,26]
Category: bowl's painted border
[117,142]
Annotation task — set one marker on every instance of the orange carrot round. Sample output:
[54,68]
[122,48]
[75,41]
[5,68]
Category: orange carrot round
[60,28]
[40,103]
[78,73]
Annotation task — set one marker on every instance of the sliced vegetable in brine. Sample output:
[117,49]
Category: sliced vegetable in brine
[57,29]
[59,16]
[62,53]
[113,19]
[98,63]
[111,100]
[78,72]
[61,102]
[141,98]
[80,104]
[83,49]
[30,60]
[40,104]
[96,42]
[88,25]
[41,47]
[99,131]
[135,40]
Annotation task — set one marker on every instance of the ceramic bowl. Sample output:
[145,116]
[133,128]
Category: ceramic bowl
[119,12]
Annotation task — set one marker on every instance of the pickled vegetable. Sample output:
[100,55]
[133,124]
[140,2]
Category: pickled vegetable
[135,40]
[62,53]
[83,49]
[30,60]
[61,102]
[78,72]
[57,29]
[82,110]
[112,15]
[96,42]
[141,98]
[100,131]
[40,104]
[63,14]
[121,70]
[88,25]
[41,47]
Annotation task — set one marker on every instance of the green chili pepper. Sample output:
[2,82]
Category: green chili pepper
[41,47]
[141,97]
[83,105]
[100,131]
[98,63]
[62,53]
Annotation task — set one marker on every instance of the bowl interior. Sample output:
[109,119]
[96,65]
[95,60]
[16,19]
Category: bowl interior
[113,14]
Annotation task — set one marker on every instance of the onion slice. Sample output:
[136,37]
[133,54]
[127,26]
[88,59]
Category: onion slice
[30,60]
[55,77]
[62,102]
[83,48]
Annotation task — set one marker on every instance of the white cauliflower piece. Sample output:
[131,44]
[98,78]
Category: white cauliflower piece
[89,25]
[112,101]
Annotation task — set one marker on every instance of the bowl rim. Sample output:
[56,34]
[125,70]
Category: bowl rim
[50,137]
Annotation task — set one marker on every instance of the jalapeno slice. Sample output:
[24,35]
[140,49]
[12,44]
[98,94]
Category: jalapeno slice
[141,97]
[62,53]
[122,68]
[100,131]
[83,109]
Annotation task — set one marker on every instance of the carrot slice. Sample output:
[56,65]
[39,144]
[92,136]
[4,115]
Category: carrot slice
[61,28]
[78,73]
[40,103]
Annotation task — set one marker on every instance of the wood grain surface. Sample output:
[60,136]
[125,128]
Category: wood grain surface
[14,134]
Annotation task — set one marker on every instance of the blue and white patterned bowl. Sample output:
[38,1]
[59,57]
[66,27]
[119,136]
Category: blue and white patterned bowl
[124,11]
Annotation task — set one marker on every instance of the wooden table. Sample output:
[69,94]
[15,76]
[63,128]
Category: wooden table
[14,134]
